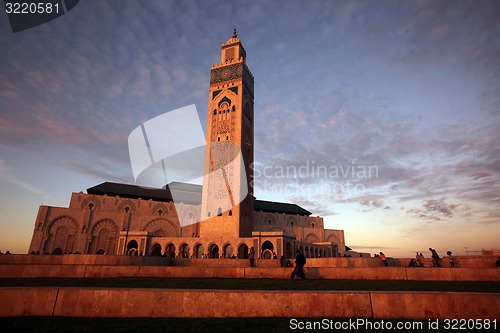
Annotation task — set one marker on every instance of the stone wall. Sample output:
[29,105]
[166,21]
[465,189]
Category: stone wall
[101,302]
[374,273]
[463,262]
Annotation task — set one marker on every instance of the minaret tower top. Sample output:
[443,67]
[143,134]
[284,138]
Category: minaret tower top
[232,50]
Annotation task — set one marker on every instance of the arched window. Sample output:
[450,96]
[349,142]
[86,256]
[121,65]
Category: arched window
[230,213]
[234,108]
[215,112]
[91,206]
[219,211]
[127,208]
[160,211]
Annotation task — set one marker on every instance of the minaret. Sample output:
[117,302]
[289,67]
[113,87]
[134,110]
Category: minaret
[230,142]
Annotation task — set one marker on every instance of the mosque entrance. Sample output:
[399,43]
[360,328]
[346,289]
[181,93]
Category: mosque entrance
[267,250]
[132,247]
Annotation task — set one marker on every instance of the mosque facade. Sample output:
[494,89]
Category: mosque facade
[221,219]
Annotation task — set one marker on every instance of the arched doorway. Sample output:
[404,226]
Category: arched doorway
[214,251]
[267,250]
[243,251]
[184,250]
[104,236]
[62,233]
[101,251]
[132,247]
[156,251]
[200,251]
[57,250]
[170,250]
[288,250]
[228,251]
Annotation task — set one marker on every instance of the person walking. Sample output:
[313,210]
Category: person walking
[300,262]
[251,256]
[383,258]
[435,257]
[451,258]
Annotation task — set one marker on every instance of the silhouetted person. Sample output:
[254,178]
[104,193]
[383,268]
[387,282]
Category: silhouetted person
[282,261]
[451,259]
[412,263]
[251,256]
[435,258]
[383,258]
[300,262]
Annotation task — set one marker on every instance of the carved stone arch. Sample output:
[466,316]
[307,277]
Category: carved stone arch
[122,207]
[91,203]
[104,236]
[159,209]
[63,220]
[163,228]
[61,233]
[199,250]
[333,239]
[228,250]
[170,249]
[267,249]
[312,238]
[214,250]
[242,250]
[224,100]
[184,250]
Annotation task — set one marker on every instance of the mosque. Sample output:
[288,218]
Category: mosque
[123,219]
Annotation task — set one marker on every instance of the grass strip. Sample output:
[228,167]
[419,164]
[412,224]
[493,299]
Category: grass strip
[205,325]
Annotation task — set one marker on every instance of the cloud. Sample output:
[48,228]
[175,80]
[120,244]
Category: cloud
[480,174]
[371,201]
[435,210]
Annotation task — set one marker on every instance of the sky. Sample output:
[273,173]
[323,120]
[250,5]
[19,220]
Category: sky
[381,116]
